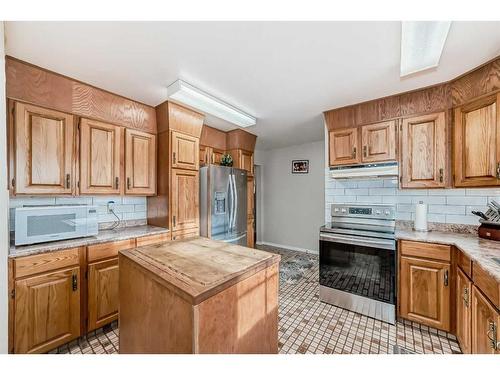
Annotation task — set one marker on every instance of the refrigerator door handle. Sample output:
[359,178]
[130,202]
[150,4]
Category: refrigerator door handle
[235,212]
[231,202]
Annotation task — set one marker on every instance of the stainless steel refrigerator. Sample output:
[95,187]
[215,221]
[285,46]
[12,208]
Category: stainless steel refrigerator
[223,204]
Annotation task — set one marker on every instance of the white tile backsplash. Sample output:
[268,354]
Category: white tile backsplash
[451,206]
[126,208]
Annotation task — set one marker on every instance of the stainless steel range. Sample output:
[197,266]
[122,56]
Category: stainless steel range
[358,260]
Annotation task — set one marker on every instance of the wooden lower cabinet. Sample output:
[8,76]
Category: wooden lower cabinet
[485,325]
[47,310]
[185,200]
[463,312]
[424,292]
[102,289]
[250,233]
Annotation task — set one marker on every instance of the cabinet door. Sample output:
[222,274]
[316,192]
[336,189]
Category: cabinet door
[47,311]
[425,292]
[185,199]
[100,158]
[477,143]
[485,325]
[246,161]
[103,299]
[378,142]
[343,146]
[216,156]
[44,144]
[185,150]
[140,163]
[423,151]
[463,303]
[250,197]
[250,233]
[204,155]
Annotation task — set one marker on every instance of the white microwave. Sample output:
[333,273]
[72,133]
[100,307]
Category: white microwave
[34,224]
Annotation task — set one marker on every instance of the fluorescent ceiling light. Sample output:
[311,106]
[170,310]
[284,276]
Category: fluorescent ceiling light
[183,92]
[422,43]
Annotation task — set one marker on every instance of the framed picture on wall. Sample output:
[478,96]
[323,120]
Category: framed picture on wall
[300,166]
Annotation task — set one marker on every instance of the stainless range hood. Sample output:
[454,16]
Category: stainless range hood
[389,169]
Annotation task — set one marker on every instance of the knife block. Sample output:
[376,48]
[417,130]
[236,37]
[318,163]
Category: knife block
[490,232]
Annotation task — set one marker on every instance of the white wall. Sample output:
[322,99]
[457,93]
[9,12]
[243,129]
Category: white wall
[293,204]
[4,199]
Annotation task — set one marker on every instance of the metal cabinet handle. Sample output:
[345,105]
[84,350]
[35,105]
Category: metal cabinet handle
[68,181]
[74,282]
[466,296]
[441,174]
[492,329]
[446,278]
[498,170]
[128,183]
[354,153]
[365,152]
[173,157]
[117,182]
[173,219]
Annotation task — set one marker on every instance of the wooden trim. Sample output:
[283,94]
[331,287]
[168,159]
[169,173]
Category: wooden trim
[464,262]
[154,239]
[487,284]
[39,86]
[35,264]
[108,249]
[426,250]
[11,306]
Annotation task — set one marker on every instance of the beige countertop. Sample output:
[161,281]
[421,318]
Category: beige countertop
[107,235]
[486,253]
[198,268]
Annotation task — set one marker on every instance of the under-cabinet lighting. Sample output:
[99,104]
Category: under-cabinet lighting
[422,43]
[185,93]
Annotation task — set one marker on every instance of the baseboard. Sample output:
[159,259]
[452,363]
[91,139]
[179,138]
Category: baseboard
[287,247]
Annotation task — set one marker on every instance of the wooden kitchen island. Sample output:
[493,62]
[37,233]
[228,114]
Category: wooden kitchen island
[198,296]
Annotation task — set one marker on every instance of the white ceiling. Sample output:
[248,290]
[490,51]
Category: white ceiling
[284,73]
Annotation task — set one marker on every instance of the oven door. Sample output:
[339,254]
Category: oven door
[365,266]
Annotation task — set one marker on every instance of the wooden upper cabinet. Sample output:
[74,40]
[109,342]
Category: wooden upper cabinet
[103,302]
[477,143]
[47,311]
[250,197]
[185,199]
[44,151]
[343,146]
[378,142]
[140,163]
[463,317]
[245,161]
[485,325]
[423,151]
[185,151]
[216,156]
[100,158]
[424,292]
[203,157]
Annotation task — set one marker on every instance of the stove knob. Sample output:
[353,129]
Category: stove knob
[377,212]
[387,212]
[336,210]
[344,210]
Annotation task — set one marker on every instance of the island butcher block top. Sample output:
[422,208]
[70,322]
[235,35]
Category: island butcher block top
[200,268]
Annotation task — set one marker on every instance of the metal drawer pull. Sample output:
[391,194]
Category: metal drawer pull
[446,278]
[492,329]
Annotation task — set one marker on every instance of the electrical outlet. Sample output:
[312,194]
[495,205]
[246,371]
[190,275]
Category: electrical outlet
[111,206]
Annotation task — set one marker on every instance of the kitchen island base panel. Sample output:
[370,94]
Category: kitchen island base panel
[242,318]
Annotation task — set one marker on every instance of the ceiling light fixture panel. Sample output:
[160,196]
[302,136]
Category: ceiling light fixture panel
[422,44]
[185,93]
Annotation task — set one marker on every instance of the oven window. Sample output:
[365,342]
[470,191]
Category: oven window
[49,224]
[365,271]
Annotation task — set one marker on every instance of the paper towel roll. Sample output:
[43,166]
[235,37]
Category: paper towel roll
[420,217]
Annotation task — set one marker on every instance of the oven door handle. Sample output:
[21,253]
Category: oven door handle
[361,241]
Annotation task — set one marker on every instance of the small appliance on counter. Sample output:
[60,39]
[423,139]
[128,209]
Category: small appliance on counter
[490,222]
[35,224]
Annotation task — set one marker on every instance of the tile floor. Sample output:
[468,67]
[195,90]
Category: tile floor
[307,325]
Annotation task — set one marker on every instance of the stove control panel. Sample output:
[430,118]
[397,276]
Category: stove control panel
[372,211]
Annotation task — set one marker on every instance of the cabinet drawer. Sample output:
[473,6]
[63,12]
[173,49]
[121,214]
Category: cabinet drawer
[108,249]
[151,240]
[488,285]
[464,263]
[182,234]
[33,264]
[426,250]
